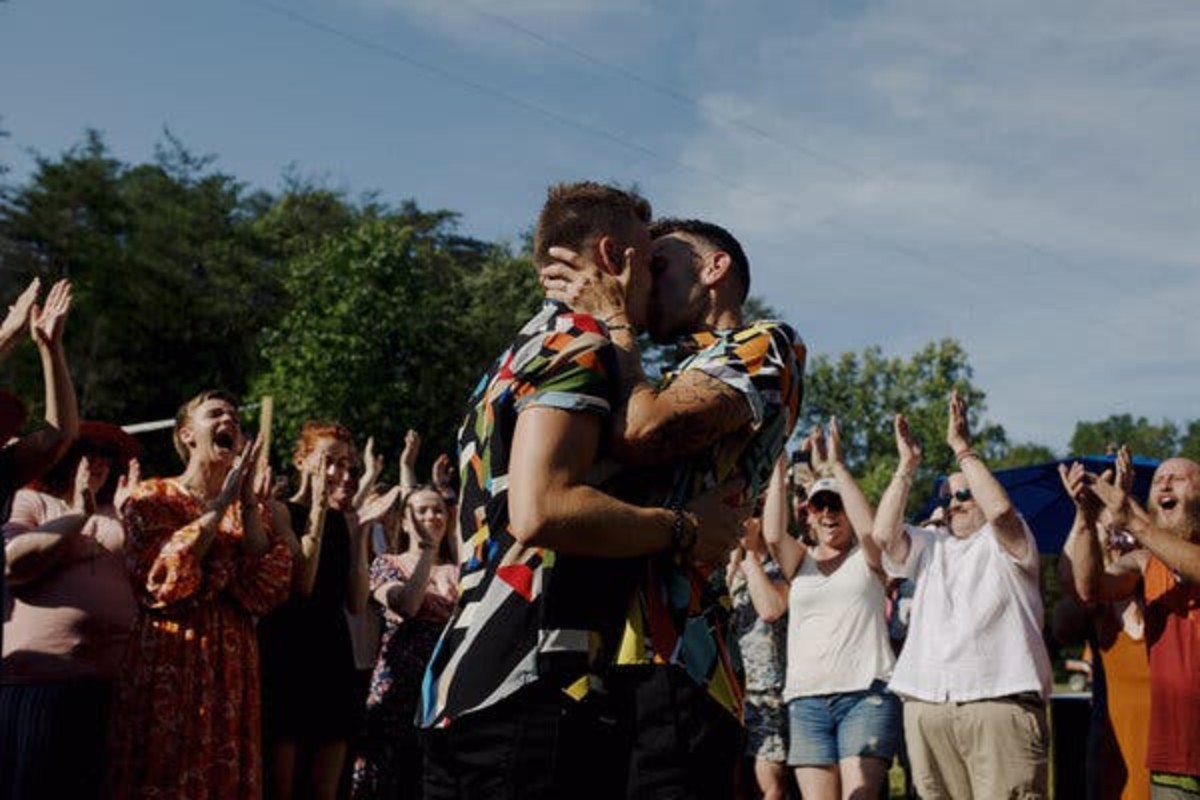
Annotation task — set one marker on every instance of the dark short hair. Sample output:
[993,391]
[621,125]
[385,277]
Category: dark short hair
[714,235]
[186,410]
[576,213]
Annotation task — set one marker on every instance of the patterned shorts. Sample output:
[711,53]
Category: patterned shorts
[766,728]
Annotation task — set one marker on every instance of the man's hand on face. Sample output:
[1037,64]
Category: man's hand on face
[583,286]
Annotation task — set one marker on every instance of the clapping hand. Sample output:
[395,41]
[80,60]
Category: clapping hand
[1113,488]
[46,322]
[126,484]
[907,446]
[17,319]
[958,433]
[83,500]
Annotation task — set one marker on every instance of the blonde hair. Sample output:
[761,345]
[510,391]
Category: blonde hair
[185,411]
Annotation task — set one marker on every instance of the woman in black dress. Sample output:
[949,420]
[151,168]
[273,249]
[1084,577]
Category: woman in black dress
[311,708]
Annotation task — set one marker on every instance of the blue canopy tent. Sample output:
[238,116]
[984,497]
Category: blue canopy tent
[1038,494]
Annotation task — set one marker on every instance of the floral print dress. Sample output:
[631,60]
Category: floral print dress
[186,711]
[389,761]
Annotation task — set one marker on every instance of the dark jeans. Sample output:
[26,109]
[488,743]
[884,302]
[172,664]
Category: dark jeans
[681,744]
[537,744]
[53,739]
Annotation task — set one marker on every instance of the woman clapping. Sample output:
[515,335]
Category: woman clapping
[203,562]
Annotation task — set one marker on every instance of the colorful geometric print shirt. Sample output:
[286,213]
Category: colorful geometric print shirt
[681,614]
[524,613]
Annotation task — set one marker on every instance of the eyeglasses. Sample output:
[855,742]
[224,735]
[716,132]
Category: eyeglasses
[825,501]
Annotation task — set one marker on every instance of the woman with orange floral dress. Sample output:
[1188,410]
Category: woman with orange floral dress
[203,563]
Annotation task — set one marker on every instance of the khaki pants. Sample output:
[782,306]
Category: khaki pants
[983,750]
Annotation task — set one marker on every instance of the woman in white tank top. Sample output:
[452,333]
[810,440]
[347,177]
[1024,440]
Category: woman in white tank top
[844,724]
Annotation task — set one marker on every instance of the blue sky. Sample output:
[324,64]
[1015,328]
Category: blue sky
[1019,175]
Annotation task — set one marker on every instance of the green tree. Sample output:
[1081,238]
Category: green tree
[170,283]
[389,326]
[1024,455]
[865,390]
[1143,437]
[1189,442]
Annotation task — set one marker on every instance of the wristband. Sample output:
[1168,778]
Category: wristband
[965,454]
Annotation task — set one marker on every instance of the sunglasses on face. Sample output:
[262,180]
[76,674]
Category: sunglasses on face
[961,495]
[824,502]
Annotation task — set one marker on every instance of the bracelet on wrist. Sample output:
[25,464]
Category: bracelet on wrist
[684,531]
[963,455]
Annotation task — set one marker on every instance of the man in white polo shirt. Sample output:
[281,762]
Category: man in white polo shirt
[974,672]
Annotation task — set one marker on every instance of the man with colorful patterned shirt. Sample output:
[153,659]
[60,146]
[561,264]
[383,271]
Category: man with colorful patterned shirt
[737,398]
[547,563]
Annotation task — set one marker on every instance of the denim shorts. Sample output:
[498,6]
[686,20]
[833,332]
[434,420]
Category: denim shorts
[827,728]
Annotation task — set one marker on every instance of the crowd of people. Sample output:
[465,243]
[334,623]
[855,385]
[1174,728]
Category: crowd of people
[625,589]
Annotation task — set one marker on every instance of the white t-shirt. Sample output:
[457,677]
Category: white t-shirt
[976,627]
[837,633]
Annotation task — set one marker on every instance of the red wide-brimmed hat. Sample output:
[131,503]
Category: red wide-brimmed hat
[109,438]
[12,416]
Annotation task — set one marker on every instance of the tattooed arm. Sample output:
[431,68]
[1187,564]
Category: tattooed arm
[652,426]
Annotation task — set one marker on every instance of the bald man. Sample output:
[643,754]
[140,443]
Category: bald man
[1165,573]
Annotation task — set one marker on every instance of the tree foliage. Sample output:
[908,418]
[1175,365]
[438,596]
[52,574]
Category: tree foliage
[865,390]
[1143,437]
[389,325]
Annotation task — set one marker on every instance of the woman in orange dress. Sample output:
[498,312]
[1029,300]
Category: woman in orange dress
[203,563]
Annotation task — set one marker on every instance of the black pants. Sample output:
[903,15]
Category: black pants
[537,744]
[681,745]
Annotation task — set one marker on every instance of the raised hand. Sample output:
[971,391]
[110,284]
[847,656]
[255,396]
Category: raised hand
[126,484]
[443,473]
[372,463]
[821,463]
[583,286]
[231,487]
[1113,488]
[250,488]
[318,482]
[376,506]
[83,501]
[958,434]
[907,446]
[721,511]
[17,319]
[47,322]
[412,448]
[836,454]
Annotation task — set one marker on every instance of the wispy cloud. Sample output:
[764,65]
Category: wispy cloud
[1044,152]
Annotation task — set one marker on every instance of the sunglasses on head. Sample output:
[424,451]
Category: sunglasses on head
[961,495]
[825,502]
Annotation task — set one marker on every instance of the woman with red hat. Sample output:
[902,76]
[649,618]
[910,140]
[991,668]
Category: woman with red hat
[68,622]
[23,460]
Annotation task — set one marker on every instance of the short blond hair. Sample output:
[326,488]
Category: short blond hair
[185,411]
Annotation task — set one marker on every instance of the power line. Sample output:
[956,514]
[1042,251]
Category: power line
[615,138]
[572,122]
